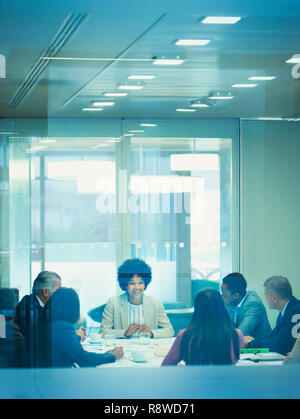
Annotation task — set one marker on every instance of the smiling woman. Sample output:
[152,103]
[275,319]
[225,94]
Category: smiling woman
[132,313]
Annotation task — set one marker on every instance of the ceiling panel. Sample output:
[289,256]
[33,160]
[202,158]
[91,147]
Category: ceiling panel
[259,44]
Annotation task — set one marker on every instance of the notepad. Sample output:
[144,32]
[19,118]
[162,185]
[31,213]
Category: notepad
[255,351]
[161,351]
[262,357]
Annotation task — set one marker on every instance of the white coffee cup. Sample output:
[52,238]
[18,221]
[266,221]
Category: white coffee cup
[138,356]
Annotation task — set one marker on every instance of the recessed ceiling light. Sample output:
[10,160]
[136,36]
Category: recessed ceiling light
[92,109]
[266,118]
[294,60]
[261,78]
[115,94]
[185,110]
[229,20]
[165,61]
[244,85]
[192,42]
[199,105]
[96,103]
[148,125]
[130,87]
[220,97]
[141,77]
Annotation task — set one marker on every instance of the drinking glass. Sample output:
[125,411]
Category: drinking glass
[144,338]
[109,341]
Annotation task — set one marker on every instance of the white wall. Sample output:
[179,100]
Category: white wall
[270,202]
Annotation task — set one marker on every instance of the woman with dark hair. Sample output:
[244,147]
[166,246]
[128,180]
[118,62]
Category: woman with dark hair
[57,343]
[210,339]
[133,312]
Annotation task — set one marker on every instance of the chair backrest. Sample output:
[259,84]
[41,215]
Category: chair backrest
[2,327]
[96,314]
[180,320]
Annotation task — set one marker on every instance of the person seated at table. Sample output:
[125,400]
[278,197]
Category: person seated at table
[294,356]
[133,312]
[245,308]
[279,295]
[210,339]
[57,343]
[11,338]
[30,308]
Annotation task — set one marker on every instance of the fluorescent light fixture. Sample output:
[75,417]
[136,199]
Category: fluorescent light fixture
[229,20]
[185,110]
[262,78]
[141,77]
[148,125]
[194,162]
[220,97]
[294,60]
[130,86]
[115,94]
[266,118]
[92,109]
[244,85]
[103,103]
[192,42]
[136,130]
[165,61]
[128,135]
[199,105]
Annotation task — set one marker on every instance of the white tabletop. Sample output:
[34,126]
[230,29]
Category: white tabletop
[164,344]
[129,345]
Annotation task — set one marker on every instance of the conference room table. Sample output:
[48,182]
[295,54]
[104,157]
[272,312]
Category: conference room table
[156,349]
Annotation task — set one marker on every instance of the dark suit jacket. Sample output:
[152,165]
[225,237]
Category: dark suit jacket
[281,338]
[28,311]
[252,319]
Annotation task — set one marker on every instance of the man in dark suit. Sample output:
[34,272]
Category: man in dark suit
[279,294]
[246,309]
[30,308]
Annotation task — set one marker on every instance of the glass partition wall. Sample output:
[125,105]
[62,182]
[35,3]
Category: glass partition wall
[79,198]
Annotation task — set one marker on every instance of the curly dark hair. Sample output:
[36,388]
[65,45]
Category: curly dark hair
[133,267]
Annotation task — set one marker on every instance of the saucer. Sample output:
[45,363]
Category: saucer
[139,362]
